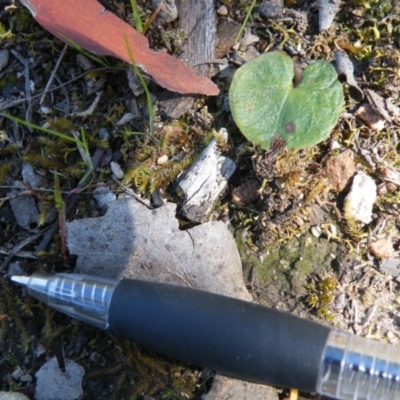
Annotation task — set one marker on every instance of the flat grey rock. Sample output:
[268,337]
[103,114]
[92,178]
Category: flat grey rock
[133,241]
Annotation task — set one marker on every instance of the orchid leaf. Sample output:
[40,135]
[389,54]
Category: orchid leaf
[265,102]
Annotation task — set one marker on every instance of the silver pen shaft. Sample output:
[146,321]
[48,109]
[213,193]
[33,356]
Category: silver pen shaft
[357,368]
[83,297]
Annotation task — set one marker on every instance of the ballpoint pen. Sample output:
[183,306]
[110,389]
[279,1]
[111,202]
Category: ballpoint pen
[234,337]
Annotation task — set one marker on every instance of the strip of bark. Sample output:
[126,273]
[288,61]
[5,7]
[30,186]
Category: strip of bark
[88,24]
[197,18]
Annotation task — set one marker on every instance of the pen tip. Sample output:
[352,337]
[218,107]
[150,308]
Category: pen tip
[21,280]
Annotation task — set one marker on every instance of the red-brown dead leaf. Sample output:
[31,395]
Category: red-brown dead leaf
[89,25]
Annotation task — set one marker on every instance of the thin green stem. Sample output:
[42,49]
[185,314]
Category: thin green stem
[101,60]
[82,142]
[146,89]
[41,129]
[136,16]
[245,21]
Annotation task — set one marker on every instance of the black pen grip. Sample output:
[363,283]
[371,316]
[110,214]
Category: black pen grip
[233,337]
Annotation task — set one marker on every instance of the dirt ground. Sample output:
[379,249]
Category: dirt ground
[301,248]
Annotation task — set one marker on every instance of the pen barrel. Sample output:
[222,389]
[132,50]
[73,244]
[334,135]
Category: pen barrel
[233,337]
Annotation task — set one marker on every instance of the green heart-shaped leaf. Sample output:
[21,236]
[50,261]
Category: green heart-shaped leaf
[265,103]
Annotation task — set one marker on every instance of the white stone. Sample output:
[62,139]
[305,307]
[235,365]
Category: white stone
[45,110]
[162,160]
[116,170]
[361,199]
[222,10]
[316,231]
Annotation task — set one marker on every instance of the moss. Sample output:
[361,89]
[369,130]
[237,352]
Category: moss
[10,308]
[321,293]
[289,265]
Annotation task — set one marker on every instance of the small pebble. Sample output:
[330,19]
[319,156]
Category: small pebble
[103,196]
[117,156]
[250,53]
[84,62]
[4,56]
[327,11]
[360,201]
[333,229]
[168,11]
[391,336]
[382,189]
[340,169]
[370,116]
[390,266]
[38,349]
[106,158]
[32,86]
[45,110]
[316,231]
[30,176]
[345,67]
[52,383]
[21,376]
[116,170]
[134,83]
[270,9]
[246,193]
[162,160]
[26,378]
[381,248]
[334,145]
[15,269]
[17,373]
[24,208]
[127,117]
[248,39]
[223,11]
